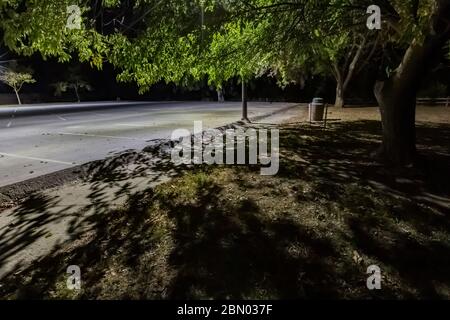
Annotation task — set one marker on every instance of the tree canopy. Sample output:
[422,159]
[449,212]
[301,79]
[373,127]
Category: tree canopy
[177,40]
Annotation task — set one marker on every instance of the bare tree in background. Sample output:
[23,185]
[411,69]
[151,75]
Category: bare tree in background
[15,77]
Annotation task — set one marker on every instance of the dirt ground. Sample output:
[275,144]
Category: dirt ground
[309,232]
[423,114]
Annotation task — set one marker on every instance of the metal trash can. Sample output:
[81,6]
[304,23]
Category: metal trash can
[316,110]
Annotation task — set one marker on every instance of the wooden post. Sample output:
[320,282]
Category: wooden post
[244,102]
[310,114]
[326,116]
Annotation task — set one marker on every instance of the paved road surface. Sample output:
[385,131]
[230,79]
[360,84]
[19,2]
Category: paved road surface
[36,140]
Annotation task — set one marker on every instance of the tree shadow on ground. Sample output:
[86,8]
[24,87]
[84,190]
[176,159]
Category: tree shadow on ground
[227,250]
[34,219]
[30,219]
[309,232]
[400,218]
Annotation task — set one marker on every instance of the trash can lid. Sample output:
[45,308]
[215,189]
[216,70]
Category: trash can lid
[318,100]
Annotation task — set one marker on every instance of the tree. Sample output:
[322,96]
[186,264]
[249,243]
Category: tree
[75,82]
[345,55]
[259,39]
[225,57]
[76,85]
[147,42]
[342,56]
[414,33]
[397,92]
[16,79]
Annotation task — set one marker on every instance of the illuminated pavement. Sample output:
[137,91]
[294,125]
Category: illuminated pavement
[41,139]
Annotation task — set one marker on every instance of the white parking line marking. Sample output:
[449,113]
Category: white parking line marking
[135,125]
[103,119]
[97,136]
[100,114]
[61,118]
[33,158]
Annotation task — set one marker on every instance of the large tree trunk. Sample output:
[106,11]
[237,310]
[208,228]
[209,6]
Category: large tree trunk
[18,97]
[340,98]
[397,95]
[398,110]
[397,100]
